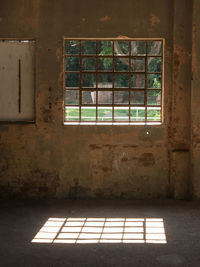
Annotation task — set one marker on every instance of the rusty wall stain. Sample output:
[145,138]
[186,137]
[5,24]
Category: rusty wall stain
[147,159]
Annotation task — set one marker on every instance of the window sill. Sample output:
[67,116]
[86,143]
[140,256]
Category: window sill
[113,123]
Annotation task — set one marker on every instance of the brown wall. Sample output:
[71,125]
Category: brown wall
[48,159]
[195,103]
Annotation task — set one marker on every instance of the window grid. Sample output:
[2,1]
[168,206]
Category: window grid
[80,94]
[96,80]
[98,88]
[145,92]
[129,94]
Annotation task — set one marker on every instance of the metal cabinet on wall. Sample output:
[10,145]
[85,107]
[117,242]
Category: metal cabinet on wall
[17,80]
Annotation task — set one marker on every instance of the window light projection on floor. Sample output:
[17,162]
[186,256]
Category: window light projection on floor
[102,230]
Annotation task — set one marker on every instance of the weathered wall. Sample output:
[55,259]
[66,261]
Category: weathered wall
[181,100]
[195,106]
[48,159]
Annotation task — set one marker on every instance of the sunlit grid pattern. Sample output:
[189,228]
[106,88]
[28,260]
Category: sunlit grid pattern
[102,230]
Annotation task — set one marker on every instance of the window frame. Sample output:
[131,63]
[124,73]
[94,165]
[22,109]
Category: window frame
[113,72]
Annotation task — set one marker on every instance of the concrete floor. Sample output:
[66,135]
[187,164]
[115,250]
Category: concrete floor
[20,222]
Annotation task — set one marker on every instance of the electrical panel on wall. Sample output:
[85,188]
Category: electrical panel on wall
[17,80]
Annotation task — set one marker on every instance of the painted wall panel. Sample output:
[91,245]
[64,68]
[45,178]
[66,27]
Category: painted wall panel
[17,80]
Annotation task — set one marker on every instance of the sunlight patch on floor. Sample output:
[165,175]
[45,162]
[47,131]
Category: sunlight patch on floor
[102,230]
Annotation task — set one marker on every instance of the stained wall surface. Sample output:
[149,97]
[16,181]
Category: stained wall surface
[48,159]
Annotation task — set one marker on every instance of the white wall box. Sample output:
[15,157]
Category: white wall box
[17,80]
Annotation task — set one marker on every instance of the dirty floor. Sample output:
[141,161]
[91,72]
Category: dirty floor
[177,245]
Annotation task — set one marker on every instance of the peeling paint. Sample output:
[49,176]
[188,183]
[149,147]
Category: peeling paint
[155,20]
[58,54]
[105,18]
[122,37]
[147,160]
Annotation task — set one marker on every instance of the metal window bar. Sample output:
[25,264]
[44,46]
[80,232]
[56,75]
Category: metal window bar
[113,88]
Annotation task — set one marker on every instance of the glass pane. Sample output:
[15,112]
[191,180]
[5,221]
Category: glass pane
[89,64]
[88,47]
[153,97]
[155,48]
[154,64]
[153,114]
[105,64]
[121,97]
[104,97]
[138,48]
[88,80]
[121,48]
[121,113]
[72,80]
[73,47]
[138,64]
[71,113]
[105,48]
[121,80]
[154,81]
[105,113]
[121,64]
[72,63]
[137,98]
[88,113]
[105,81]
[138,81]
[137,114]
[72,97]
[88,97]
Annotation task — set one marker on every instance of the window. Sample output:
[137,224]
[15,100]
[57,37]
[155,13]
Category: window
[113,81]
[17,71]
